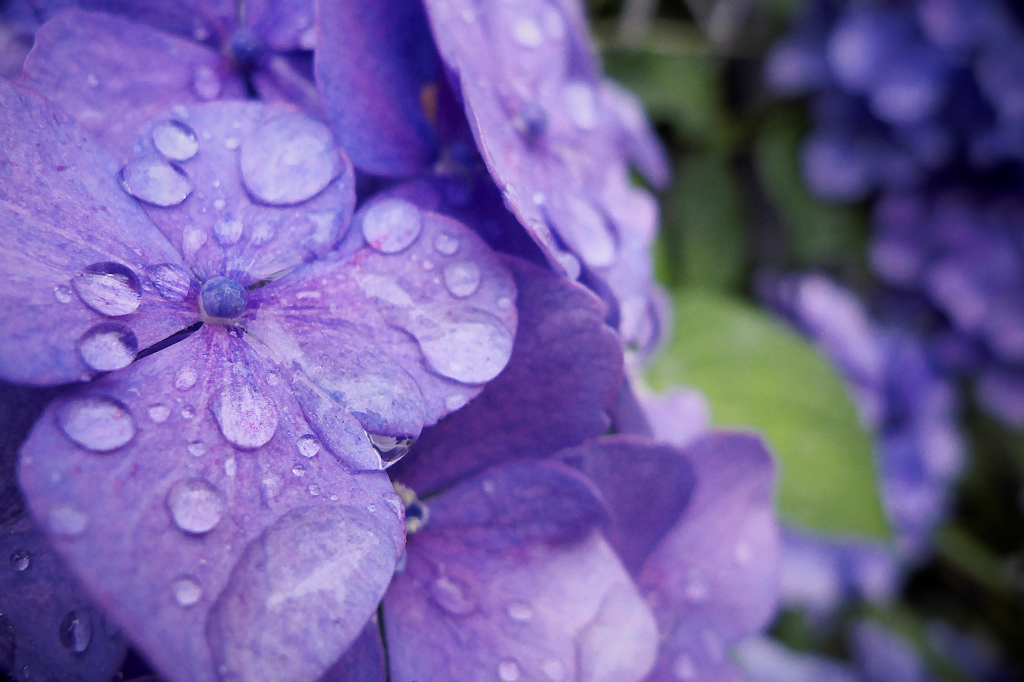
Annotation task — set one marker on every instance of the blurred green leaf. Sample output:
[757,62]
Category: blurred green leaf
[757,373]
[817,232]
[703,224]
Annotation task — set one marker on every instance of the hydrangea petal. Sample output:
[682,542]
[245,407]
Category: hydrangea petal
[364,661]
[283,25]
[483,596]
[375,65]
[77,263]
[112,74]
[714,577]
[216,471]
[563,355]
[200,20]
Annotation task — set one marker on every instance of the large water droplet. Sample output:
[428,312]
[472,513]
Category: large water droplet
[462,278]
[451,597]
[187,590]
[392,225]
[170,281]
[187,378]
[175,140]
[391,448]
[527,32]
[196,505]
[246,416]
[446,244]
[110,289]
[308,445]
[473,349]
[206,83]
[508,671]
[76,631]
[108,346]
[581,105]
[223,298]
[96,422]
[156,181]
[289,159]
[227,231]
[67,521]
[159,413]
[520,612]
[20,560]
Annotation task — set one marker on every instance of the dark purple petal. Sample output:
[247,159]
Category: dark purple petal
[564,357]
[49,629]
[714,578]
[202,512]
[472,605]
[113,75]
[283,25]
[199,20]
[79,295]
[645,484]
[375,66]
[364,661]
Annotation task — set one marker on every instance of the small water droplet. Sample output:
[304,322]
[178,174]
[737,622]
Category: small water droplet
[488,486]
[314,489]
[20,560]
[232,143]
[197,448]
[288,159]
[246,416]
[170,281]
[187,378]
[553,669]
[76,631]
[187,412]
[195,504]
[392,225]
[187,590]
[508,671]
[391,448]
[175,140]
[527,33]
[371,507]
[462,278]
[156,181]
[448,595]
[299,469]
[454,402]
[62,292]
[108,346]
[230,467]
[683,668]
[219,204]
[581,105]
[227,231]
[67,521]
[96,422]
[446,244]
[159,413]
[308,445]
[110,289]
[520,612]
[428,265]
[206,83]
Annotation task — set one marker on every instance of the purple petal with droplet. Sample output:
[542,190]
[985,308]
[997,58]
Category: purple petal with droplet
[214,472]
[76,263]
[364,661]
[374,61]
[564,355]
[112,74]
[200,20]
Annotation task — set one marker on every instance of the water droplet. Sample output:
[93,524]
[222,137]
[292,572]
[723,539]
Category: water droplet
[742,553]
[508,671]
[392,225]
[62,292]
[187,590]
[526,32]
[159,413]
[196,505]
[156,181]
[108,346]
[308,445]
[428,265]
[314,489]
[288,159]
[110,289]
[554,670]
[307,39]
[532,123]
[246,416]
[223,298]
[581,105]
[186,379]
[472,348]
[197,448]
[219,204]
[76,631]
[391,448]
[683,668]
[96,422]
[519,611]
[446,244]
[19,560]
[206,83]
[539,198]
[170,281]
[504,303]
[230,467]
[462,278]
[67,521]
[175,140]
[227,231]
[187,412]
[232,143]
[451,597]
[299,469]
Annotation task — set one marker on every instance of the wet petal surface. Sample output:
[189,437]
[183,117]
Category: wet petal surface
[199,20]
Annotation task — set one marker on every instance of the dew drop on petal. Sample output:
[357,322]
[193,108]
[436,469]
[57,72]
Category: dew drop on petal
[156,181]
[187,378]
[175,140]
[308,445]
[67,521]
[110,289]
[193,240]
[314,489]
[62,292]
[580,105]
[392,225]
[159,413]
[472,350]
[96,422]
[108,346]
[20,560]
[553,669]
[76,631]
[508,671]
[390,448]
[288,159]
[187,590]
[197,448]
[187,412]
[446,244]
[462,278]
[519,611]
[246,416]
[227,231]
[170,281]
[195,504]
[504,303]
[232,143]
[206,83]
[299,469]
[527,33]
[450,597]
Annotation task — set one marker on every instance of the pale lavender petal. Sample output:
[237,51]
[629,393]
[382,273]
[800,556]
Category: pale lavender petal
[564,355]
[203,513]
[638,137]
[364,661]
[764,660]
[113,75]
[484,596]
[79,267]
[679,416]
[200,20]
[375,66]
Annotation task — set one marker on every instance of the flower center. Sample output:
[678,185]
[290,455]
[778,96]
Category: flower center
[222,298]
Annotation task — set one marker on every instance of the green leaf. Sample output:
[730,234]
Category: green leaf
[756,373]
